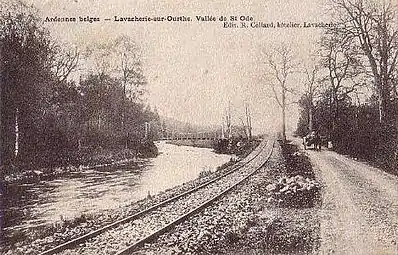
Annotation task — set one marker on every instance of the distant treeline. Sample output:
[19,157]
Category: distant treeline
[50,118]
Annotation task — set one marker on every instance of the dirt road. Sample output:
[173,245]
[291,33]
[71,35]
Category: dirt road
[359,213]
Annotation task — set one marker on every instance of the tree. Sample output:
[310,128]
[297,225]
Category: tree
[120,59]
[131,72]
[343,70]
[247,121]
[311,92]
[46,116]
[373,27]
[64,61]
[281,66]
[228,120]
[130,67]
[26,80]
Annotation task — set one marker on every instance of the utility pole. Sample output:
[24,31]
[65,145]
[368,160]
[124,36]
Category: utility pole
[228,119]
[248,120]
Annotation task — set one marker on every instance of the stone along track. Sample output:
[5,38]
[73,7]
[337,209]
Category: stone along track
[124,235]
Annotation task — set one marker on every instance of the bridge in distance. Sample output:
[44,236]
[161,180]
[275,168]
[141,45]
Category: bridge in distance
[192,136]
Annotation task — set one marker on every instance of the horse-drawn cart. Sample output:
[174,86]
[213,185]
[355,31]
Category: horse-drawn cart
[312,139]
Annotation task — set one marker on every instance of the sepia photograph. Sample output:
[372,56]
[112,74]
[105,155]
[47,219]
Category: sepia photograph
[198,127]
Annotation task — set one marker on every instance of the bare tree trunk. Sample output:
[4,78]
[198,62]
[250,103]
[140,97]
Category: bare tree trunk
[331,125]
[282,65]
[245,128]
[248,121]
[310,119]
[229,121]
[16,147]
[284,115]
[383,105]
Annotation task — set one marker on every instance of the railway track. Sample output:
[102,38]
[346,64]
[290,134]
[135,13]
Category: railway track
[124,236]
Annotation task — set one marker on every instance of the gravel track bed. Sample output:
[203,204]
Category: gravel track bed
[124,235]
[41,240]
[222,225]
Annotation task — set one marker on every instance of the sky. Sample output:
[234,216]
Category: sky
[196,69]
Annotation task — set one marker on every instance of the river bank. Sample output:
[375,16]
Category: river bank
[88,158]
[193,143]
[264,215]
[64,229]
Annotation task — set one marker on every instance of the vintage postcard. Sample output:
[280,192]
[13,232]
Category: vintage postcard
[198,127]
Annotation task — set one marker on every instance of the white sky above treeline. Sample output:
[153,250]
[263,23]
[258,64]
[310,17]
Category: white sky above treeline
[194,69]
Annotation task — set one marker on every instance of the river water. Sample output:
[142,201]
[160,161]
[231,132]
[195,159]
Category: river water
[30,205]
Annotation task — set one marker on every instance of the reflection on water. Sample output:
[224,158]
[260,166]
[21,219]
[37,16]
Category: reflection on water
[29,205]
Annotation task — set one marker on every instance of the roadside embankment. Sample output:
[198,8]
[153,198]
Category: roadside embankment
[265,215]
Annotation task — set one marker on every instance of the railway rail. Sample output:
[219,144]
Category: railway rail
[125,235]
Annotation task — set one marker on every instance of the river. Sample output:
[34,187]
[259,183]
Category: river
[30,205]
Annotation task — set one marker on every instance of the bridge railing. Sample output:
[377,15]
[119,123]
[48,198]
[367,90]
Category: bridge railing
[191,136]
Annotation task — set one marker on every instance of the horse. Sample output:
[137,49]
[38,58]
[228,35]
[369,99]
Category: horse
[312,139]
